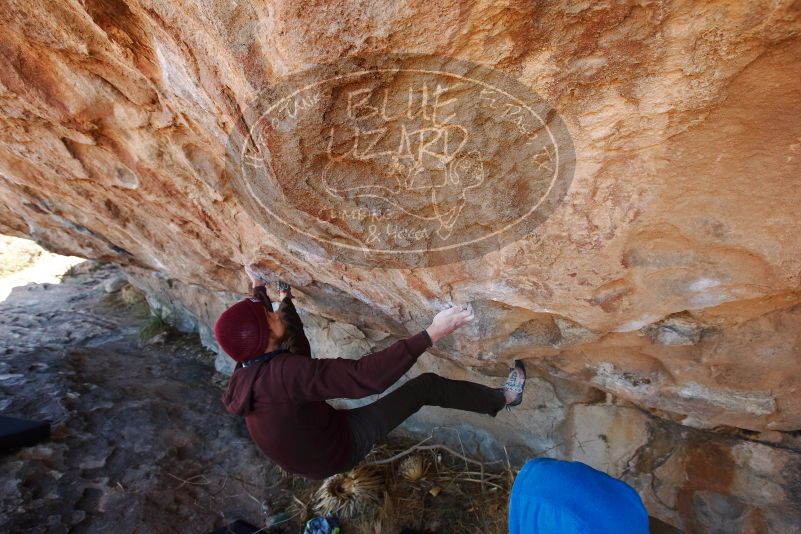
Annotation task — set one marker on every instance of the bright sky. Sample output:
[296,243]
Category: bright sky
[29,263]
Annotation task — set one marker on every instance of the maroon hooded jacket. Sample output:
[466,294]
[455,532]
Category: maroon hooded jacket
[283,402]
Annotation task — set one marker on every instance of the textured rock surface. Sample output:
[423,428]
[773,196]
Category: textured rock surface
[698,480]
[669,275]
[140,442]
[685,121]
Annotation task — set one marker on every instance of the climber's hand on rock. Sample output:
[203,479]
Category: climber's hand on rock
[449,320]
[255,279]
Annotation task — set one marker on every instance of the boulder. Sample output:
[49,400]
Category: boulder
[663,268]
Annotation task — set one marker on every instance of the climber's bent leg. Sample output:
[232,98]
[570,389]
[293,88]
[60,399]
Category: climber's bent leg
[371,424]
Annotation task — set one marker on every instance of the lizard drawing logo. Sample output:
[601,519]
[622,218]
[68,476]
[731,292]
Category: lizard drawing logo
[427,176]
[400,160]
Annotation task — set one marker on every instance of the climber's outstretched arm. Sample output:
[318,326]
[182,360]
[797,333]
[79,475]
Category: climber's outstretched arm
[320,379]
[309,380]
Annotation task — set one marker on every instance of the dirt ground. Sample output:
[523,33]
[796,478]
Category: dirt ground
[141,443]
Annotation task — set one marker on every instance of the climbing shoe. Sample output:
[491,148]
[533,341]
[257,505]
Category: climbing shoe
[516,383]
[282,286]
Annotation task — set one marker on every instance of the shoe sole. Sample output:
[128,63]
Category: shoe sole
[519,399]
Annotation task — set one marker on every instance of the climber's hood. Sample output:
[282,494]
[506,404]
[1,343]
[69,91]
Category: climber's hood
[238,398]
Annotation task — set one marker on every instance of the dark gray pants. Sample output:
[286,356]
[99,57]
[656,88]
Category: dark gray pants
[370,424]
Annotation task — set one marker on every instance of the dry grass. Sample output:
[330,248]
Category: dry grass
[350,494]
[423,486]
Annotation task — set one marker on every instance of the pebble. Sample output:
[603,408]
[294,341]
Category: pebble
[114,284]
[12,379]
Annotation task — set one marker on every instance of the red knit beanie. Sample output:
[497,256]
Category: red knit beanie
[242,330]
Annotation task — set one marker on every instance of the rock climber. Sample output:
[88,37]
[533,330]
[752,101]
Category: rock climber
[281,391]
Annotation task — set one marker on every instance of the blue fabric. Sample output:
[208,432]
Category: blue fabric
[322,525]
[556,497]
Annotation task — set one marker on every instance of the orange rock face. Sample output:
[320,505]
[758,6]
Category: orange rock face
[667,273]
